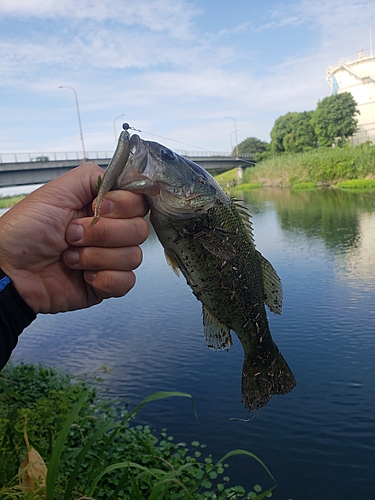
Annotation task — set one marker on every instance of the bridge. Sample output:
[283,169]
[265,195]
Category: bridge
[18,169]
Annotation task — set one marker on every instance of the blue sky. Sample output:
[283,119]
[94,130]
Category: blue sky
[174,68]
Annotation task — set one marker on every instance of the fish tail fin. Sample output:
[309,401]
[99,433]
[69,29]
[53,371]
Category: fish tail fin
[263,377]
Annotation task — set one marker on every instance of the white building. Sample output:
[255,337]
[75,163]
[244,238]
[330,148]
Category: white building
[356,74]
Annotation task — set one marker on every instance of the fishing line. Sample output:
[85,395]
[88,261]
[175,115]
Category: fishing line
[126,126]
[168,139]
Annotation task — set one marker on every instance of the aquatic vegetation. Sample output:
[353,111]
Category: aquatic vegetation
[92,449]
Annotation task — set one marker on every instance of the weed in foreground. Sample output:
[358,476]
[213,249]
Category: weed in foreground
[93,451]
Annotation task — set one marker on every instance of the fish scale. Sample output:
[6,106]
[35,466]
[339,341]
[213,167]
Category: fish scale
[208,237]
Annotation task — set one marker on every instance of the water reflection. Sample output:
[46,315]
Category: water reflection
[331,215]
[357,265]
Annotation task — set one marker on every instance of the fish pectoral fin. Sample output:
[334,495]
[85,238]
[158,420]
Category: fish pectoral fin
[273,291]
[216,334]
[173,263]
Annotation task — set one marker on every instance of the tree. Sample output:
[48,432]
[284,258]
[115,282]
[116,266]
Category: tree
[303,136]
[293,133]
[335,117]
[252,145]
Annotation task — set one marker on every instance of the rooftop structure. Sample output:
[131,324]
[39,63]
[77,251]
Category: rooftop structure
[356,74]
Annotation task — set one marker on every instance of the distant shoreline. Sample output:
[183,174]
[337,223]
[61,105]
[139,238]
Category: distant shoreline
[347,168]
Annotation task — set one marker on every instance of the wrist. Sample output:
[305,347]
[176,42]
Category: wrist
[15,316]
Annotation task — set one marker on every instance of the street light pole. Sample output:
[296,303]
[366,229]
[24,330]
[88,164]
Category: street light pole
[78,115]
[114,126]
[235,132]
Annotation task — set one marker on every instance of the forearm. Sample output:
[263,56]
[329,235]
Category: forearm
[15,316]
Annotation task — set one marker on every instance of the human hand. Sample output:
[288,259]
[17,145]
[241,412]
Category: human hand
[55,260]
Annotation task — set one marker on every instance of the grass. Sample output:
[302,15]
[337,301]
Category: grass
[304,185]
[249,185]
[321,166]
[227,176]
[91,448]
[357,184]
[9,201]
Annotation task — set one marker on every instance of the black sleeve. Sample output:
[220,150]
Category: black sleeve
[15,316]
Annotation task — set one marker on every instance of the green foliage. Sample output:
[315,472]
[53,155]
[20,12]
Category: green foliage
[249,185]
[321,165]
[334,118]
[252,145]
[293,133]
[282,127]
[363,184]
[304,185]
[225,177]
[92,450]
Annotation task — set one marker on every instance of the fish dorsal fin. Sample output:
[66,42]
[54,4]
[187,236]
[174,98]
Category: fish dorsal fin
[172,262]
[245,216]
[273,292]
[216,335]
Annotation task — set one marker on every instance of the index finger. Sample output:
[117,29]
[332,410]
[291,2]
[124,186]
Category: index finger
[123,204]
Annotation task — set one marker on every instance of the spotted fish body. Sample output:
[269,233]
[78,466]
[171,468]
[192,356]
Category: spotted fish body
[207,236]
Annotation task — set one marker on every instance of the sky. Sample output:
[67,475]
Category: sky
[173,68]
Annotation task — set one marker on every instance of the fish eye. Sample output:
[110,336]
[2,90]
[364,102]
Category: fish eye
[167,155]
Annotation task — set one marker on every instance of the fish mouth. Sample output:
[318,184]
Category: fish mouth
[138,172]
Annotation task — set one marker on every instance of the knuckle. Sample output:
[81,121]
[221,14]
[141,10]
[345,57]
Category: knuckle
[117,284]
[142,230]
[135,256]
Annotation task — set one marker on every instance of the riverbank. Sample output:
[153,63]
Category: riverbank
[88,446]
[347,167]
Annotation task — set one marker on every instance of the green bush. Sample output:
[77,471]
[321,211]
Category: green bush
[92,449]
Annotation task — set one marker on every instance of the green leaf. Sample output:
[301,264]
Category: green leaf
[53,467]
[249,454]
[162,395]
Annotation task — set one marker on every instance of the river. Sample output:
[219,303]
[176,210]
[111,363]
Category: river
[319,440]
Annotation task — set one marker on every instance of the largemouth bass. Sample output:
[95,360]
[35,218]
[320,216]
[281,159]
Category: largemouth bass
[207,236]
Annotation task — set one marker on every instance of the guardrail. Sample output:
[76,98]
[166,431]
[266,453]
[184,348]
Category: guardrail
[45,156]
[359,56]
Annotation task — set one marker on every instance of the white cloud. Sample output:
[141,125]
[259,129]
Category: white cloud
[154,61]
[170,16]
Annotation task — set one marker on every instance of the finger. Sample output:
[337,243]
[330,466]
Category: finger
[107,232]
[123,204]
[108,284]
[96,259]
[76,188]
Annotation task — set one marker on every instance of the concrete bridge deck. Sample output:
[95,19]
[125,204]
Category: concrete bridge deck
[19,169]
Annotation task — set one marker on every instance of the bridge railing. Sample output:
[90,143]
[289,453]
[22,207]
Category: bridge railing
[93,155]
[52,156]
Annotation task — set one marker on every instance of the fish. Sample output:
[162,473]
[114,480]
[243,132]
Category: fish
[207,236]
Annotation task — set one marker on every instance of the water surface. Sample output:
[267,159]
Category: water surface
[319,440]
